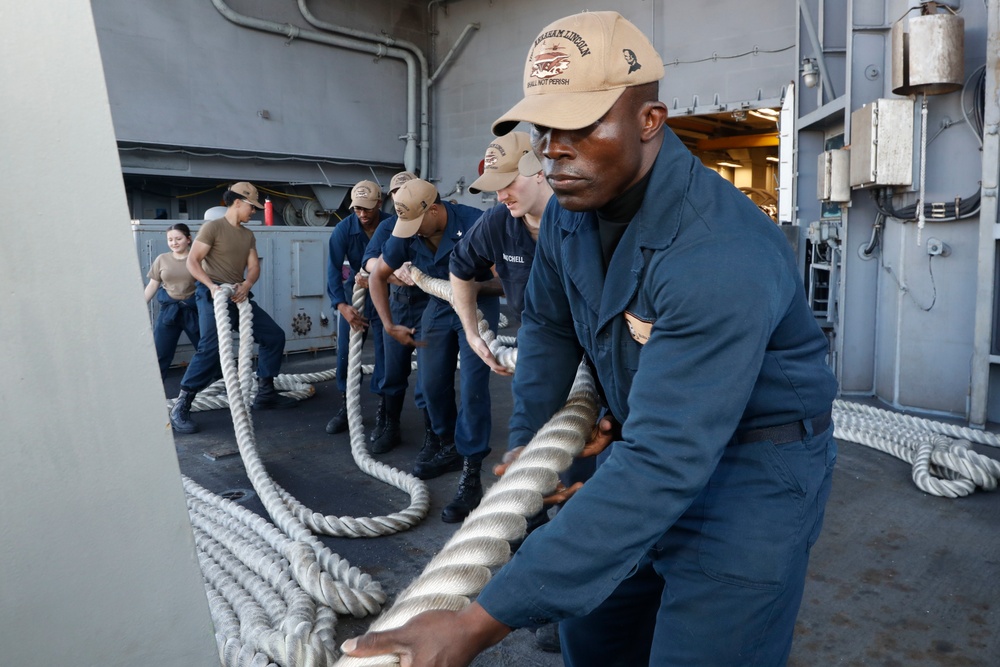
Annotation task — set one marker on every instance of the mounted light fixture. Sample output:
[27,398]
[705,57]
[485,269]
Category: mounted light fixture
[731,165]
[810,72]
[765,114]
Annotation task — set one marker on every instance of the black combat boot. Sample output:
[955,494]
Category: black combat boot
[379,420]
[339,422]
[180,414]
[268,397]
[470,491]
[432,443]
[446,459]
[389,437]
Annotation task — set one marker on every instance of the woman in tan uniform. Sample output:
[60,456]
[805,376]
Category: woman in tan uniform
[178,311]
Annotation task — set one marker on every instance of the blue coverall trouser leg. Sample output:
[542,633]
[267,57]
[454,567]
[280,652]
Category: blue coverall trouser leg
[445,343]
[166,334]
[205,367]
[407,310]
[724,584]
[343,348]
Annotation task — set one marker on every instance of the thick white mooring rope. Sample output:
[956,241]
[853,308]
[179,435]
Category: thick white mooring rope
[250,601]
[417,489]
[462,568]
[506,356]
[273,594]
[943,462]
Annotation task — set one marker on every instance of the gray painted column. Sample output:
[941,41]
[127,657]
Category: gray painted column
[97,560]
[988,229]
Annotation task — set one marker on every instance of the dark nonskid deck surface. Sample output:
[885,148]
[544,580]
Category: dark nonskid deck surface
[897,578]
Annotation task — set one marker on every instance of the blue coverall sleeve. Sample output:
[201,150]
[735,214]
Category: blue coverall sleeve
[378,239]
[395,252]
[475,253]
[716,303]
[334,264]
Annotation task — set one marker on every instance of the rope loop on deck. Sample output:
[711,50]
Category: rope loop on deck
[365,526]
[273,594]
[943,462]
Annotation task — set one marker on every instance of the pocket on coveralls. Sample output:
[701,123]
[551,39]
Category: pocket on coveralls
[753,511]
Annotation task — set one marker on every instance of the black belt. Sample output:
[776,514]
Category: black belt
[785,433]
[407,294]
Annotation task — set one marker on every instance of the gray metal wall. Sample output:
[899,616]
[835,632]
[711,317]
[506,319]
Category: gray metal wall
[164,61]
[485,81]
[907,317]
[180,74]
[97,558]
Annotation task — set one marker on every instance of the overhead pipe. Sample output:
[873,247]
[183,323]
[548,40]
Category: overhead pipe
[381,50]
[416,64]
[450,56]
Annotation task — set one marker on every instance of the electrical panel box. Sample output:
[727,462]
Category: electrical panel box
[882,144]
[832,173]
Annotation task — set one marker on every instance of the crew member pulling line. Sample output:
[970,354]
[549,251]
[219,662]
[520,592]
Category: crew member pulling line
[507,356]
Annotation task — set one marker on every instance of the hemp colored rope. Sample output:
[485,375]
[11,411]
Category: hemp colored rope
[462,568]
[943,462]
[506,356]
[295,385]
[417,489]
[250,566]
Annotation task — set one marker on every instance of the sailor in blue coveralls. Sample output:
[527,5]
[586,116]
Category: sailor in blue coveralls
[425,233]
[690,543]
[348,240]
[407,303]
[504,239]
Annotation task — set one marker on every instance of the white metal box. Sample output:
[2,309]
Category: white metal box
[882,143]
[832,173]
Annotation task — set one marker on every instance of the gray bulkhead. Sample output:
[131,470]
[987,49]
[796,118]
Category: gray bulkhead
[197,99]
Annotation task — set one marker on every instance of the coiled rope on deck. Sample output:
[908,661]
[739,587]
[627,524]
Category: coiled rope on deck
[417,489]
[943,462]
[462,568]
[252,570]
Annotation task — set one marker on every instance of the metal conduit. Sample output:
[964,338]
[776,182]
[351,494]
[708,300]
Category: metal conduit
[417,72]
[294,32]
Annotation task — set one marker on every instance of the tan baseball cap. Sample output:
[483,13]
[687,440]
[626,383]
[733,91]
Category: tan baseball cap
[412,200]
[366,194]
[577,69]
[398,180]
[246,191]
[506,157]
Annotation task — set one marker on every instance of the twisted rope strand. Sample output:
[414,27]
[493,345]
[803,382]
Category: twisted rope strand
[943,463]
[463,566]
[262,583]
[417,489]
[506,356]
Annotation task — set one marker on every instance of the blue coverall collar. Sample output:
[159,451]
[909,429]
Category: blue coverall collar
[653,227]
[452,233]
[354,224]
